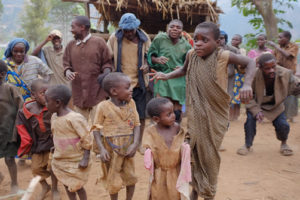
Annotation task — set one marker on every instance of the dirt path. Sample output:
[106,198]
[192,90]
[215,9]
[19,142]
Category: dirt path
[262,175]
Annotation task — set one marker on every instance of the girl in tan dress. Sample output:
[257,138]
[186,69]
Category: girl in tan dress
[164,139]
[72,142]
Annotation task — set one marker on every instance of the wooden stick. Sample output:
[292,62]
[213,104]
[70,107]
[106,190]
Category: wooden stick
[33,183]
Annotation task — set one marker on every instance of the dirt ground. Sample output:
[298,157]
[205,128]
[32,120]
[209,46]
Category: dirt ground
[262,175]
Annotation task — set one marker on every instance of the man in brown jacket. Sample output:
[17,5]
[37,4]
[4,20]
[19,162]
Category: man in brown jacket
[271,86]
[86,59]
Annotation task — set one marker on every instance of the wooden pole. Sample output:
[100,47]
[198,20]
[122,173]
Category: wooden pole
[32,185]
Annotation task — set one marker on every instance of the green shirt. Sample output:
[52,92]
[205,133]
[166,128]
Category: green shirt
[163,46]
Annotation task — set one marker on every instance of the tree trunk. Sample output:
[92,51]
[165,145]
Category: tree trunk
[265,8]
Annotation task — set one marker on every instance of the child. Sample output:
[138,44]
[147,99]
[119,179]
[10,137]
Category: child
[116,130]
[208,103]
[165,141]
[10,102]
[33,122]
[72,142]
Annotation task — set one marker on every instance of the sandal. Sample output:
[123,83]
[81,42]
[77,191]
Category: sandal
[244,150]
[285,150]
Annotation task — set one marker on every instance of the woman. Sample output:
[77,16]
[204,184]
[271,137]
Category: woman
[166,53]
[22,68]
[261,41]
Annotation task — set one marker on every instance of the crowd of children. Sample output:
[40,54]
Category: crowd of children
[60,141]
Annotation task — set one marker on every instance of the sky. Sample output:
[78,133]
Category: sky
[231,25]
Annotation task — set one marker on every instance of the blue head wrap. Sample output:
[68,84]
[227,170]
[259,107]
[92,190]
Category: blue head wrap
[129,21]
[225,35]
[11,44]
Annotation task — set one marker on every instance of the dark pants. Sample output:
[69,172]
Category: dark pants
[139,96]
[282,128]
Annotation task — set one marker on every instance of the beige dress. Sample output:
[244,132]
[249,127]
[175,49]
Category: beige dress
[166,164]
[71,138]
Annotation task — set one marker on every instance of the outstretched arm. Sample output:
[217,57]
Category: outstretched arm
[249,66]
[287,54]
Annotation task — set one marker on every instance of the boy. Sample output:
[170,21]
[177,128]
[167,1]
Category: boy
[10,102]
[208,103]
[116,130]
[33,121]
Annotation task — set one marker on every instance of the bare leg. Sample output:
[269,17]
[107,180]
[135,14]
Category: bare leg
[114,196]
[71,195]
[45,189]
[55,193]
[82,194]
[129,192]
[1,177]
[194,195]
[12,168]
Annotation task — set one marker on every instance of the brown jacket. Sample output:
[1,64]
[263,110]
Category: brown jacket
[285,84]
[290,62]
[88,60]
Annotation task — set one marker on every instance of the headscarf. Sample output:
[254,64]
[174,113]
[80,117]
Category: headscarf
[129,21]
[12,44]
[225,36]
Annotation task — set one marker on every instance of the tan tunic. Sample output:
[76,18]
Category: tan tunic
[290,62]
[167,163]
[71,138]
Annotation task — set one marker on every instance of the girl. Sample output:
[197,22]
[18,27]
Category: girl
[72,142]
[205,68]
[116,131]
[261,41]
[165,142]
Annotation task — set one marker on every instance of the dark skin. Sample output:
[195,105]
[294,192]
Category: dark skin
[120,95]
[236,41]
[165,123]
[57,106]
[283,41]
[10,161]
[36,107]
[56,42]
[206,44]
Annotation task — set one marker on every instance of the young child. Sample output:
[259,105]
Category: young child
[208,103]
[116,131]
[33,123]
[164,141]
[10,101]
[72,142]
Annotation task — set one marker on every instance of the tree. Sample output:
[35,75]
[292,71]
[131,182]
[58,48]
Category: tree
[33,21]
[264,15]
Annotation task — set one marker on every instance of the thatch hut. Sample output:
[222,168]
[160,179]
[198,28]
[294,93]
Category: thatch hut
[155,14]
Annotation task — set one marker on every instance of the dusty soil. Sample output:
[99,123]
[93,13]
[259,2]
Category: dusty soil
[262,175]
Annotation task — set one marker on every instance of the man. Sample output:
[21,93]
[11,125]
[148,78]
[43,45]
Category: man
[271,85]
[86,58]
[53,56]
[236,41]
[129,46]
[286,56]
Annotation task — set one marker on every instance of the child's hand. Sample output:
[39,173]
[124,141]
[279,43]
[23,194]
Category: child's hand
[83,163]
[131,150]
[104,155]
[157,76]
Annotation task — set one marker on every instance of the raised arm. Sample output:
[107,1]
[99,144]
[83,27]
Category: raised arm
[249,66]
[37,50]
[288,54]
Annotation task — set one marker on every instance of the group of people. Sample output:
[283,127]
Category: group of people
[107,84]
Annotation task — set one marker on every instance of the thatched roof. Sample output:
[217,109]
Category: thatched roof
[156,14]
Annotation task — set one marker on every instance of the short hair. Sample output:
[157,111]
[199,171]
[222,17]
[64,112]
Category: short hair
[112,80]
[287,34]
[60,92]
[83,20]
[265,57]
[176,21]
[212,26]
[154,106]
[3,67]
[262,35]
[239,36]
[36,83]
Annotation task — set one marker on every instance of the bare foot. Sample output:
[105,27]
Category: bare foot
[14,189]
[55,195]
[45,190]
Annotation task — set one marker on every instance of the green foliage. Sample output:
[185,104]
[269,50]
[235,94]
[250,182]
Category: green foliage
[248,9]
[1,7]
[33,21]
